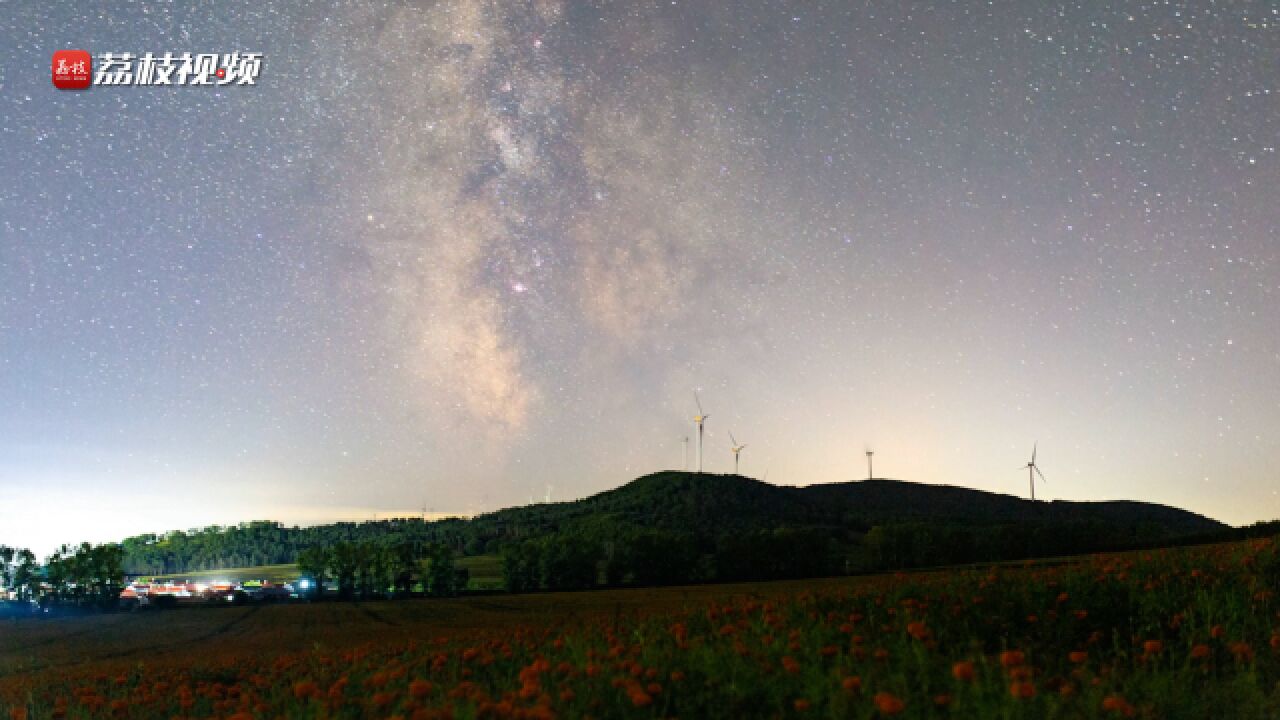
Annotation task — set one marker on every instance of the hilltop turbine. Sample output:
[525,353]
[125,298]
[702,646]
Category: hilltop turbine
[1032,471]
[698,420]
[870,474]
[737,450]
[685,441]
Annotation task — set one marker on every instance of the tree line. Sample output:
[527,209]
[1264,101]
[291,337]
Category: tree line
[81,576]
[264,542]
[371,570]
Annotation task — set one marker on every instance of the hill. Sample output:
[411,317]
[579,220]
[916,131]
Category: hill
[715,504]
[706,509]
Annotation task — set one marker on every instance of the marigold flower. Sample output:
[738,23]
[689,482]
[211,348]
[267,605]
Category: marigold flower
[1022,689]
[1152,647]
[1012,658]
[1200,651]
[963,671]
[1217,631]
[851,684]
[917,630]
[942,700]
[420,688]
[888,703]
[801,705]
[1118,705]
[790,665]
[639,697]
[1077,656]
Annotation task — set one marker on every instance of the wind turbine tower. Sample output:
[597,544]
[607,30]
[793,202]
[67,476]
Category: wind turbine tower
[870,475]
[1032,471]
[737,450]
[698,420]
[685,441]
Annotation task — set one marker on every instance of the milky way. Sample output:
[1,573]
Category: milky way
[445,255]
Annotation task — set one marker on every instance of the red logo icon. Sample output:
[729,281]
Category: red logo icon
[72,69]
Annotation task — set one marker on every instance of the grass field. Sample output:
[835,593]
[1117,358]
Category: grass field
[266,573]
[1188,633]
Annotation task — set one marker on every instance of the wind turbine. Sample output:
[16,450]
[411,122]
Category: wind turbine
[737,450]
[698,420]
[548,494]
[1032,471]
[870,475]
[685,441]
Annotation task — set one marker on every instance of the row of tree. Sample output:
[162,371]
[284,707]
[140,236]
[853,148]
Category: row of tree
[265,542]
[577,560]
[370,569]
[587,555]
[81,575]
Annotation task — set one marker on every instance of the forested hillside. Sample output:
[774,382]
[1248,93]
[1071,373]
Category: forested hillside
[870,524]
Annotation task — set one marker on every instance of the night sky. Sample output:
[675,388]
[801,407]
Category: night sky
[446,256]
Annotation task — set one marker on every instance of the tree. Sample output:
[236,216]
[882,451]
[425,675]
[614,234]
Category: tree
[405,557]
[654,557]
[568,563]
[442,576]
[313,563]
[344,561]
[521,566]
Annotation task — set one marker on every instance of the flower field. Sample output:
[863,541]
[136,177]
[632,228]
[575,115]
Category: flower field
[1187,633]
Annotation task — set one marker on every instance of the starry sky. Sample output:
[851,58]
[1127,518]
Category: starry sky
[451,256]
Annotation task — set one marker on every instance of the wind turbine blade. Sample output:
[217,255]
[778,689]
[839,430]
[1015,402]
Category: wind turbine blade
[1040,474]
[1033,453]
[732,439]
[698,400]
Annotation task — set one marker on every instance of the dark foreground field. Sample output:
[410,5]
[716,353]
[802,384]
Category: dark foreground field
[1186,633]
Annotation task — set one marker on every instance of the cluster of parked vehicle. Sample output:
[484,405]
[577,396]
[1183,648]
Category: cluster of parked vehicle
[140,594]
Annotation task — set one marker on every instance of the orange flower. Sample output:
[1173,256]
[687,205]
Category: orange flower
[942,700]
[888,703]
[1118,705]
[851,684]
[963,671]
[917,630]
[18,713]
[790,665]
[304,689]
[1022,689]
[1012,658]
[1200,652]
[801,705]
[420,689]
[1242,651]
[1217,631]
[639,697]
[1078,656]
[1152,647]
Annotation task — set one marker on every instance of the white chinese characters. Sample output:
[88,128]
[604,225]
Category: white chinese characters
[178,69]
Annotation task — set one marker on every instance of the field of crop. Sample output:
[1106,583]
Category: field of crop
[1189,633]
